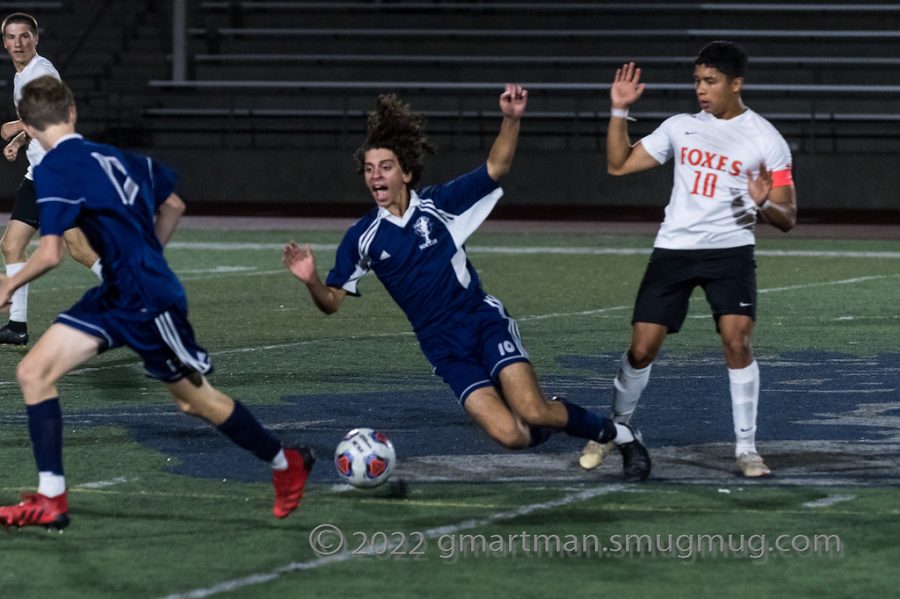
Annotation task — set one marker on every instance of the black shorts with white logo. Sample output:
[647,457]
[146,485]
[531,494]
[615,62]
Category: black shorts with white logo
[25,207]
[727,276]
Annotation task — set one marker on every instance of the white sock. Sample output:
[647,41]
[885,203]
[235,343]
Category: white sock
[744,402]
[18,303]
[97,269]
[628,386]
[51,485]
[279,462]
[623,434]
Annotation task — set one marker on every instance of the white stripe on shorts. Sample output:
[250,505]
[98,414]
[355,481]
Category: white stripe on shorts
[170,335]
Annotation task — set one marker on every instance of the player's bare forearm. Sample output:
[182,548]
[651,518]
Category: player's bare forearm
[618,145]
[167,218]
[780,208]
[327,299]
[10,129]
[503,151]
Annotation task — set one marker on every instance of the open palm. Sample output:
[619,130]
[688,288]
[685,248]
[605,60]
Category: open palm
[626,87]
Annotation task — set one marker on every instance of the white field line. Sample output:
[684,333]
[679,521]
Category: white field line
[296,344]
[517,250]
[430,534]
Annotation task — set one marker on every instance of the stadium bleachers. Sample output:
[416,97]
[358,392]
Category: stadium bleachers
[275,74]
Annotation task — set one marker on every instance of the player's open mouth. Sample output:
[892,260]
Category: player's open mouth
[380,192]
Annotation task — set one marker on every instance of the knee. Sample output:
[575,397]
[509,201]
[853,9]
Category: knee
[514,436]
[11,251]
[737,347]
[29,374]
[185,407]
[535,413]
[641,355]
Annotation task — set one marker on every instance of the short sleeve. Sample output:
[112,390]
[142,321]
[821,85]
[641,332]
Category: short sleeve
[349,264]
[659,143]
[58,205]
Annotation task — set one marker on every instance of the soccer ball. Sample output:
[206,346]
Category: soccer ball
[365,457]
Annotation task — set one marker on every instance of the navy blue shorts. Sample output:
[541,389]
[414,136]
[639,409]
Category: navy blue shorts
[165,342]
[471,353]
[727,276]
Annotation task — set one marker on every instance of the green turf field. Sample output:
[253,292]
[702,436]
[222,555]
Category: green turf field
[144,524]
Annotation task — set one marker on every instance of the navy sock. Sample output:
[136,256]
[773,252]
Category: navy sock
[45,428]
[244,430]
[588,425]
[539,434]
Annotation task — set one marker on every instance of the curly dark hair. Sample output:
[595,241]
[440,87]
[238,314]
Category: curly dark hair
[394,126]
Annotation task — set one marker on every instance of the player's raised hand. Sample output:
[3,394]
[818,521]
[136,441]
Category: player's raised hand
[626,87]
[513,101]
[300,261]
[759,187]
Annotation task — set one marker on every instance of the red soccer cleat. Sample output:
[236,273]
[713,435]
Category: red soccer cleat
[37,510]
[289,483]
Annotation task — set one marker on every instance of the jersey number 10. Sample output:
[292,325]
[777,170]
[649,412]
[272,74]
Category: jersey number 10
[704,184]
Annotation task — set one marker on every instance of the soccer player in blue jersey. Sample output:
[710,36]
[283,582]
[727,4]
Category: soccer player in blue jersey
[127,206]
[414,242]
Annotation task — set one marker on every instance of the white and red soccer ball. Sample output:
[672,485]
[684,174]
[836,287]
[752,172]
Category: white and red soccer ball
[365,457]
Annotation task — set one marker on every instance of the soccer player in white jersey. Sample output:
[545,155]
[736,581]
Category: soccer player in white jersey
[20,38]
[413,240]
[731,167]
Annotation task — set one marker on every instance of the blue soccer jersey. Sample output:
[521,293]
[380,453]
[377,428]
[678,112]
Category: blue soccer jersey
[420,257]
[113,196]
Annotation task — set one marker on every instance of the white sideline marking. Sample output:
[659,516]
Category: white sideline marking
[103,484]
[432,533]
[295,344]
[516,250]
[829,501]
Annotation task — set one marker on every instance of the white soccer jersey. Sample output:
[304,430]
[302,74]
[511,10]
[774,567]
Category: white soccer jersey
[710,206]
[36,67]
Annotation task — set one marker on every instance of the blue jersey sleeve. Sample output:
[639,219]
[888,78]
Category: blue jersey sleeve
[462,193]
[349,264]
[58,203]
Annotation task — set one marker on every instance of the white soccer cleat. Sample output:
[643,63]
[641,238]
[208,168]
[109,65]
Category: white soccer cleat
[752,465]
[594,453]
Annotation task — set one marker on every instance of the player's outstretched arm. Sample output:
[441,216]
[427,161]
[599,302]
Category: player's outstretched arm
[301,263]
[512,105]
[778,206]
[11,129]
[167,217]
[622,158]
[48,255]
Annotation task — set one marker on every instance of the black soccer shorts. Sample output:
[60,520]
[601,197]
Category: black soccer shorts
[727,276]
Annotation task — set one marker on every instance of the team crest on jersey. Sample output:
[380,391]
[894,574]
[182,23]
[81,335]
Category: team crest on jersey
[423,229]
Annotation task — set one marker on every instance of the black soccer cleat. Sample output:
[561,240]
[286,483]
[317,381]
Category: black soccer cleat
[11,337]
[635,458]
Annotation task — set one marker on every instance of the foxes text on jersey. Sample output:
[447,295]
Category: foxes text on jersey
[117,216]
[710,206]
[420,257]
